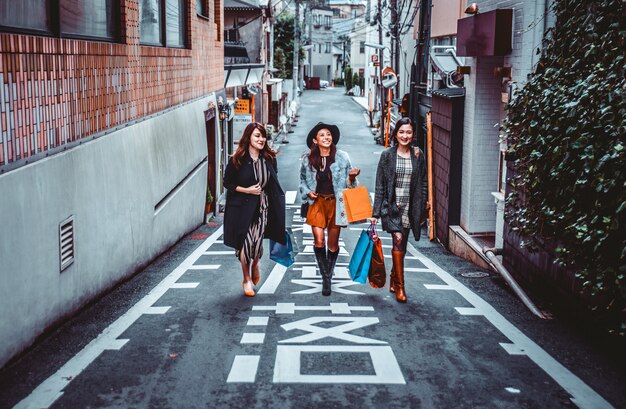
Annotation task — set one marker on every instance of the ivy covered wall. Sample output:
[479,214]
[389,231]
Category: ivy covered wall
[566,193]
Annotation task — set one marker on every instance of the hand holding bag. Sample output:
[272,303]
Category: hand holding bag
[358,203]
[377,274]
[284,254]
[361,258]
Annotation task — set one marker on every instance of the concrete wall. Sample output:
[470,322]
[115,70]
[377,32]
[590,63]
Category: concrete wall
[111,186]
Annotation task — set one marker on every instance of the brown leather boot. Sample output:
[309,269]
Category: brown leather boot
[398,269]
[392,281]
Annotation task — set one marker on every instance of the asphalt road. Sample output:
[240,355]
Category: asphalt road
[181,334]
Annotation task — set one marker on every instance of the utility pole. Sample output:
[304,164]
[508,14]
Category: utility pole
[296,50]
[419,80]
[395,38]
[381,90]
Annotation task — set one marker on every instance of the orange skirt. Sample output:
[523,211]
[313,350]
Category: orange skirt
[322,212]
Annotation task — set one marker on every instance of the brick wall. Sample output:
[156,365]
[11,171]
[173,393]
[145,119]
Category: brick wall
[57,91]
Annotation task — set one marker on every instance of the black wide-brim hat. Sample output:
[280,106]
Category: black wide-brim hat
[334,131]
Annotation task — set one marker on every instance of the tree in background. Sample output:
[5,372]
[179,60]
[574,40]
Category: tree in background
[347,75]
[283,46]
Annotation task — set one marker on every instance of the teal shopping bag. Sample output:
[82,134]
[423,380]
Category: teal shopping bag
[361,258]
[284,254]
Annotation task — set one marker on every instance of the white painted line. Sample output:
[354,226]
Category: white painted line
[185,285]
[418,270]
[253,338]
[582,395]
[244,369]
[512,349]
[204,267]
[52,388]
[291,308]
[273,280]
[219,253]
[406,257]
[438,287]
[258,321]
[468,311]
[309,272]
[290,197]
[157,310]
[387,371]
[316,286]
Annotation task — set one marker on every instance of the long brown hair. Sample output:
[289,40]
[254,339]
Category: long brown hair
[244,144]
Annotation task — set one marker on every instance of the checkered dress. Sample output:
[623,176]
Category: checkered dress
[404,168]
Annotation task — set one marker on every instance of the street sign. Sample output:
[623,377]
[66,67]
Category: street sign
[375,60]
[243,106]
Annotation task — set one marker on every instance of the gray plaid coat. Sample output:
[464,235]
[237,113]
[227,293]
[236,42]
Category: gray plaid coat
[339,169]
[385,206]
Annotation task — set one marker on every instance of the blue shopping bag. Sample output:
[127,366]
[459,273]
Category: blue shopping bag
[361,258]
[284,254]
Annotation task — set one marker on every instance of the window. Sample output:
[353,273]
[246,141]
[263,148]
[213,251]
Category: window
[201,8]
[362,47]
[336,12]
[328,48]
[328,21]
[68,18]
[162,22]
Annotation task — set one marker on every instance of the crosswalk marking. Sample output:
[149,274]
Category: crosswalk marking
[290,197]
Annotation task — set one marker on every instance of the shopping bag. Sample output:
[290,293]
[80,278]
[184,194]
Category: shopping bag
[361,257]
[377,274]
[358,204]
[284,254]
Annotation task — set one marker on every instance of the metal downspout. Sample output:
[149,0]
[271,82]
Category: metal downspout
[500,269]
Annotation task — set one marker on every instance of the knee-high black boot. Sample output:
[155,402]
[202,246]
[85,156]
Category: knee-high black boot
[322,263]
[332,259]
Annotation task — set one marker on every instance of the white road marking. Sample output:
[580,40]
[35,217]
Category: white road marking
[204,267]
[253,338]
[418,270]
[273,280]
[219,253]
[185,285]
[582,395]
[258,321]
[287,366]
[52,388]
[291,308]
[316,286]
[290,197]
[244,369]
[438,287]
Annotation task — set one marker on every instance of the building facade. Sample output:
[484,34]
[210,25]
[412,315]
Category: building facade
[109,135]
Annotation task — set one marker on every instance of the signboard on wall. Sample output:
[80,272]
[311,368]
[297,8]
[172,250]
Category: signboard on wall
[239,124]
[243,106]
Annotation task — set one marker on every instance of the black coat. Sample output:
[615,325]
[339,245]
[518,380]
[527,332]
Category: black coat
[385,205]
[241,208]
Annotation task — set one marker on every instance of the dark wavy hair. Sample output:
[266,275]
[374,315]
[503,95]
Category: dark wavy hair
[244,144]
[396,128]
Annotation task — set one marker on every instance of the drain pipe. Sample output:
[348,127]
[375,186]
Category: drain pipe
[499,268]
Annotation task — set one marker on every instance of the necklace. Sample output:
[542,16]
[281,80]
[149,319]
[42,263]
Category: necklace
[323,166]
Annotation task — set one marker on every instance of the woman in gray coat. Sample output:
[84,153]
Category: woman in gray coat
[400,198]
[324,173]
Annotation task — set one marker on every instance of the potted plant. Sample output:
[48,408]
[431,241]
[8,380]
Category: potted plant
[209,200]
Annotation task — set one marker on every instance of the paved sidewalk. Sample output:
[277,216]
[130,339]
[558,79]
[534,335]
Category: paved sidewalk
[362,101]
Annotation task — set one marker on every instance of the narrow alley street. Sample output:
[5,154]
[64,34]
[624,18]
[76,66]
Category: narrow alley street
[181,333]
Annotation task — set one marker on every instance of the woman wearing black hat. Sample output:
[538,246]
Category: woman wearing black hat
[400,198]
[255,204]
[324,173]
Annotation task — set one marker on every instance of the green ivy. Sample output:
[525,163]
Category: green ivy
[566,131]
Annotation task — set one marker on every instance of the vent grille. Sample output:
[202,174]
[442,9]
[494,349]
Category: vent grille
[66,242]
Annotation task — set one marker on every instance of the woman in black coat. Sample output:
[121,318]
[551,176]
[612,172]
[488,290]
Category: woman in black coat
[255,203]
[400,199]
